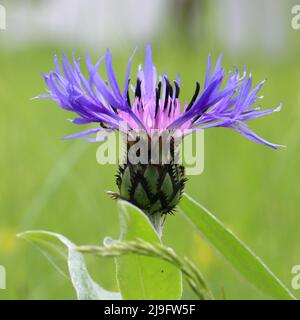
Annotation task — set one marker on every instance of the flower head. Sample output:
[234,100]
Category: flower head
[224,101]
[151,109]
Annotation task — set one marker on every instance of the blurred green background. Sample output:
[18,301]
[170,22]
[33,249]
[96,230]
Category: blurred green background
[56,185]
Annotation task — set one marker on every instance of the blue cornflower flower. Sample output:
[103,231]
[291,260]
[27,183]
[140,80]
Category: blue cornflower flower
[224,101]
[155,104]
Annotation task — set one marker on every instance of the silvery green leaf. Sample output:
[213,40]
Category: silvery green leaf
[61,253]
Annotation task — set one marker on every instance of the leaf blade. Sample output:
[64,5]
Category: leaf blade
[142,277]
[233,249]
[62,254]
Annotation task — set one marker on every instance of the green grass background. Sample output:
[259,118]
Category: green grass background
[56,185]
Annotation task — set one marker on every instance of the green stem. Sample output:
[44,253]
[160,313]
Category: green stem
[157,221]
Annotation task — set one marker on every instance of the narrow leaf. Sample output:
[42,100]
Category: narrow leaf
[233,249]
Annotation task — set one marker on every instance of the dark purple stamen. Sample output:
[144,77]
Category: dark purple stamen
[138,92]
[157,95]
[167,94]
[194,97]
[177,89]
[127,95]
[170,87]
[159,88]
